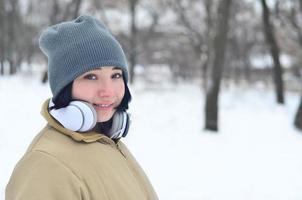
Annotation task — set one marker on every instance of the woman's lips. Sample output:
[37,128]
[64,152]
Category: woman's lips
[103,106]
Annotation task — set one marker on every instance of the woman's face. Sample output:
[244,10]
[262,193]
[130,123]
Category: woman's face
[104,88]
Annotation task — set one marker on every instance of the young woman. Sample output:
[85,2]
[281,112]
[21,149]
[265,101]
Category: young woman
[79,154]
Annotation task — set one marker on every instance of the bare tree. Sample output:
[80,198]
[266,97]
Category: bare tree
[275,52]
[298,117]
[298,28]
[198,31]
[71,10]
[217,62]
[133,39]
[290,20]
[13,15]
[242,42]
[2,36]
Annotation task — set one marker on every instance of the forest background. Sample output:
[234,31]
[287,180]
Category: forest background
[208,42]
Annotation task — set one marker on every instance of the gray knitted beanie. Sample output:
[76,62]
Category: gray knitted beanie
[78,46]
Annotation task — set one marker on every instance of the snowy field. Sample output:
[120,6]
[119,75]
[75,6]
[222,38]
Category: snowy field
[257,155]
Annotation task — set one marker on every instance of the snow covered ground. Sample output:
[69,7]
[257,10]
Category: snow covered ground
[257,155]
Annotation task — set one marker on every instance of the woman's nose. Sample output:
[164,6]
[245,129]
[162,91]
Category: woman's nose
[105,88]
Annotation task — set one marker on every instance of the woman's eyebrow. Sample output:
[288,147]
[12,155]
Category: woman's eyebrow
[116,68]
[113,68]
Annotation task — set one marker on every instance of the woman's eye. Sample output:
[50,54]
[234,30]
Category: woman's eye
[90,77]
[117,75]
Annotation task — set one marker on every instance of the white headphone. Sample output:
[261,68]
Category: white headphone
[80,116]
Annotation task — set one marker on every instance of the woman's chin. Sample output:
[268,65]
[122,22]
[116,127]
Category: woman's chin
[104,118]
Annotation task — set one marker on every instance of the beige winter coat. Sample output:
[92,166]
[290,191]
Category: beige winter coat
[64,165]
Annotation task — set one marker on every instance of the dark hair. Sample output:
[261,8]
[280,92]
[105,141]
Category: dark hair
[124,105]
[65,97]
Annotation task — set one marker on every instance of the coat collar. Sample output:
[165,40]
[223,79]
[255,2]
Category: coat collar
[88,137]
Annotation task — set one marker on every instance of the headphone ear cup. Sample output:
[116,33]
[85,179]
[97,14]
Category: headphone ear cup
[128,122]
[89,115]
[120,125]
[77,116]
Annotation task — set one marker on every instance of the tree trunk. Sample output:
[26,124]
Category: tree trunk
[77,8]
[275,51]
[11,44]
[204,69]
[217,62]
[45,77]
[12,67]
[53,18]
[298,117]
[300,5]
[2,37]
[68,10]
[133,40]
[209,21]
[71,10]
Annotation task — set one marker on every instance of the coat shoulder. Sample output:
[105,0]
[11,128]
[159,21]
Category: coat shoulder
[39,175]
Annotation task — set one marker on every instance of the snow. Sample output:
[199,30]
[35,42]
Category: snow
[256,155]
[264,61]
